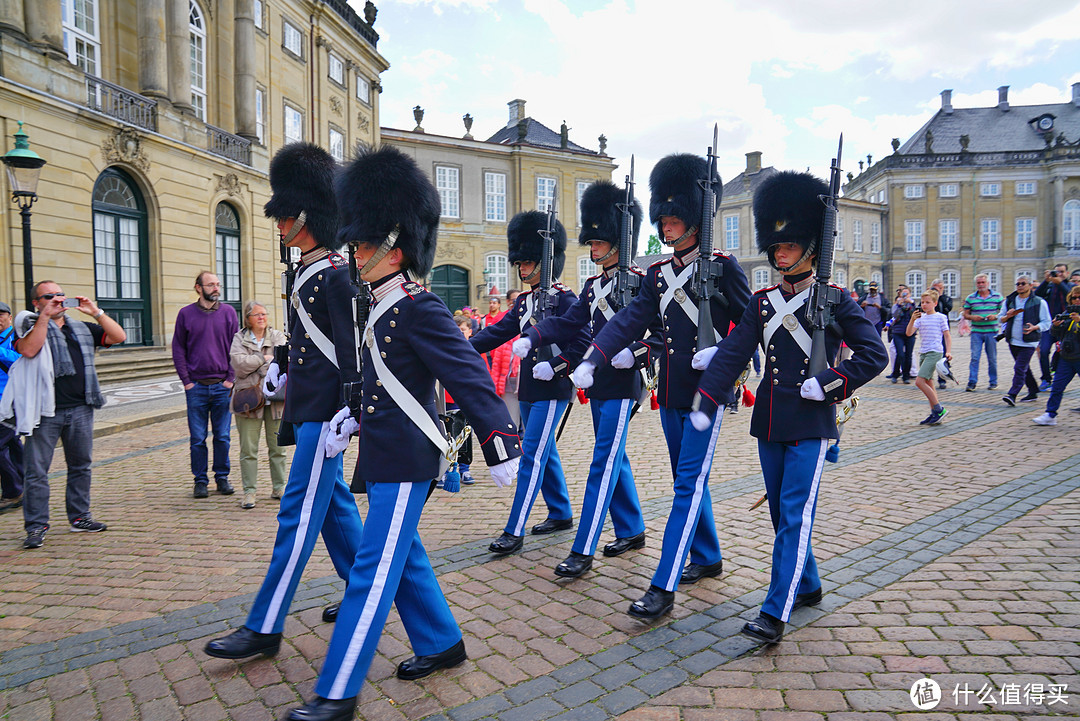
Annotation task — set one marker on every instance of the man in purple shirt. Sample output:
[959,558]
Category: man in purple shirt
[200,349]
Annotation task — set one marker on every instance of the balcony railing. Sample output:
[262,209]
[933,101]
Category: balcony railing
[227,145]
[121,104]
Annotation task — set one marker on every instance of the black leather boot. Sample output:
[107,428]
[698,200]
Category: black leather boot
[654,604]
[621,545]
[506,543]
[550,525]
[764,628]
[574,565]
[812,598]
[242,643]
[694,572]
[420,666]
[325,709]
[329,614]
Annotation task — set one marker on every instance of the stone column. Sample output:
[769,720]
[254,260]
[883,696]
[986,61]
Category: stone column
[44,26]
[153,50]
[179,55]
[245,70]
[12,17]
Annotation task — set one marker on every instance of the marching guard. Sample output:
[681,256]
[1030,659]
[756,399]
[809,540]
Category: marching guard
[545,389]
[794,418]
[390,216]
[677,209]
[616,388]
[320,362]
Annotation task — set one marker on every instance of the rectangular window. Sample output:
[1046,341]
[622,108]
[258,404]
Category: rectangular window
[761,278]
[198,75]
[882,197]
[1025,187]
[991,233]
[841,278]
[260,18]
[337,145]
[856,236]
[947,234]
[990,190]
[545,193]
[363,89]
[731,232]
[876,277]
[260,115]
[105,256]
[993,280]
[497,271]
[80,34]
[951,280]
[228,267]
[839,233]
[292,39]
[446,180]
[582,185]
[294,125]
[948,190]
[916,280]
[875,237]
[913,235]
[585,269]
[913,191]
[1025,234]
[495,198]
[336,69]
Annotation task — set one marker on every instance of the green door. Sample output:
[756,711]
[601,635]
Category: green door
[451,283]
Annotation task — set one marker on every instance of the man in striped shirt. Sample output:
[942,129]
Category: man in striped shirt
[981,308]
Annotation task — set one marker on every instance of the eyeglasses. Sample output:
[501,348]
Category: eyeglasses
[210,285]
[1020,283]
[257,315]
[50,296]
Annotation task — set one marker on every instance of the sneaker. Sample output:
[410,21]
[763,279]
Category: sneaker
[467,479]
[894,380]
[941,385]
[276,495]
[200,491]
[35,538]
[86,524]
[907,381]
[249,500]
[937,417]
[970,388]
[1044,420]
[1030,397]
[993,386]
[1009,400]
[929,420]
[1044,386]
[10,504]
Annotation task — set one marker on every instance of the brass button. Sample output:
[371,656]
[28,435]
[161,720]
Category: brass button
[798,385]
[383,354]
[396,311]
[371,409]
[303,349]
[320,276]
[772,358]
[374,398]
[670,351]
[805,361]
[510,425]
[775,382]
[764,312]
[658,285]
[309,315]
[307,336]
[378,383]
[775,370]
[516,446]
[802,372]
[300,361]
[393,324]
[386,338]
[771,346]
[316,289]
[311,299]
[694,349]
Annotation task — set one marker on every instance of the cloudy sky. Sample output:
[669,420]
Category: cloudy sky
[781,76]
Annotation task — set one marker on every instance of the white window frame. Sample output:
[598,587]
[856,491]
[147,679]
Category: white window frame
[856,235]
[335,69]
[1028,273]
[916,280]
[1070,224]
[497,270]
[990,189]
[762,278]
[1025,234]
[293,124]
[914,231]
[586,268]
[948,190]
[582,186]
[913,192]
[839,233]
[82,35]
[731,231]
[875,236]
[883,197]
[448,183]
[293,41]
[1026,187]
[545,192]
[990,234]
[260,115]
[199,49]
[494,197]
[993,278]
[948,234]
[876,277]
[363,89]
[841,277]
[258,13]
[335,142]
[951,280]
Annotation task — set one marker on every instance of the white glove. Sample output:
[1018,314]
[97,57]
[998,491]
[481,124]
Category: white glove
[521,347]
[700,421]
[623,359]
[583,374]
[811,390]
[342,426]
[543,371]
[273,380]
[703,358]
[505,473]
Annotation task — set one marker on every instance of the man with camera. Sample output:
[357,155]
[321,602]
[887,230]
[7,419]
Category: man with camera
[1026,318]
[69,345]
[981,309]
[1053,290]
[1066,329]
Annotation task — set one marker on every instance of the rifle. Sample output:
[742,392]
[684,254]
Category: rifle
[542,307]
[706,281]
[627,283]
[824,297]
[361,307]
[288,280]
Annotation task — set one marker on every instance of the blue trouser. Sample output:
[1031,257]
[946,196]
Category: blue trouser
[316,499]
[1046,368]
[980,342]
[391,566]
[792,476]
[541,467]
[74,427]
[905,347]
[690,527]
[1066,369]
[1022,374]
[611,482]
[209,404]
[11,463]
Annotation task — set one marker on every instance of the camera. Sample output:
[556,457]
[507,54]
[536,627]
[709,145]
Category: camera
[1068,311]
[70,303]
[1053,274]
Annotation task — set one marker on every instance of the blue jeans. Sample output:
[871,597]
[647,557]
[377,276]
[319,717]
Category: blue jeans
[980,342]
[209,405]
[1066,369]
[11,463]
[905,347]
[74,427]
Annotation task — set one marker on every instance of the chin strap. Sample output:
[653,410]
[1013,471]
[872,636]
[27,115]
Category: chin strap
[672,243]
[613,251]
[531,276]
[297,226]
[804,256]
[386,247]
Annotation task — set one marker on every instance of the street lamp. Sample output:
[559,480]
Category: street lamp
[23,170]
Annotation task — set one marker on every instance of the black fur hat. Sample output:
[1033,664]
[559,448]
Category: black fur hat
[525,242]
[788,209]
[302,179]
[675,191]
[601,218]
[383,189]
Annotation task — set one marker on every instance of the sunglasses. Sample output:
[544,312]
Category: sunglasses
[1023,282]
[50,296]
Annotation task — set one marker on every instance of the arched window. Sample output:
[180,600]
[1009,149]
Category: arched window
[198,59]
[121,270]
[227,247]
[951,280]
[1070,225]
[916,280]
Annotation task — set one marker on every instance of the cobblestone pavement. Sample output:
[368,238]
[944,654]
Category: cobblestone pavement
[950,552]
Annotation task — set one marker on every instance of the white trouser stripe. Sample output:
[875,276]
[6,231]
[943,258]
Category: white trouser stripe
[692,516]
[804,530]
[378,588]
[597,521]
[314,475]
[537,468]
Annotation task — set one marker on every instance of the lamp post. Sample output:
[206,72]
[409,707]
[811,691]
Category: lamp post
[23,171]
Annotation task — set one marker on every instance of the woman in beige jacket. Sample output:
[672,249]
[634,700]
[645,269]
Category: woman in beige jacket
[251,352]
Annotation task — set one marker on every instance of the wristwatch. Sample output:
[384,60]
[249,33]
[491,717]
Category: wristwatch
[99,314]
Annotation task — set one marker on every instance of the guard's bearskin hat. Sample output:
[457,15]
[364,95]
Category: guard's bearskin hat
[302,179]
[383,189]
[601,218]
[788,208]
[674,185]
[525,242]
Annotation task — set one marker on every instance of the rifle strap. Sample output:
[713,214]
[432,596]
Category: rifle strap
[324,344]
